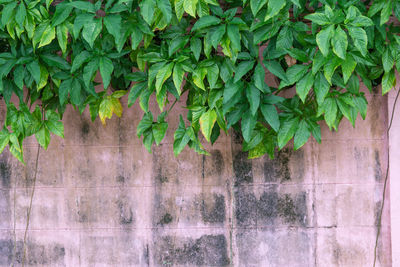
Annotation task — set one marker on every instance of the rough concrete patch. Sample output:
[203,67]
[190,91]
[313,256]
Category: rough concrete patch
[208,250]
[213,212]
[5,172]
[242,168]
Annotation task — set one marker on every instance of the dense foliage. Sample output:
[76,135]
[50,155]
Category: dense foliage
[213,54]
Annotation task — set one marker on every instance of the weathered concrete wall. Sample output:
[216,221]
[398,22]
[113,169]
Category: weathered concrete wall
[102,200]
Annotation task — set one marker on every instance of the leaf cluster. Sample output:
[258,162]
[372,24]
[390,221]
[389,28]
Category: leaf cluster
[210,56]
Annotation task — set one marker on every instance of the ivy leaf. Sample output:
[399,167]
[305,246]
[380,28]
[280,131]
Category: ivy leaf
[48,35]
[159,131]
[207,121]
[360,39]
[330,109]
[212,75]
[271,116]
[181,139]
[34,70]
[253,96]
[54,124]
[62,37]
[205,22]
[113,25]
[273,8]
[304,86]
[4,139]
[387,60]
[162,75]
[256,5]
[177,76]
[21,14]
[348,67]
[63,10]
[276,69]
[234,36]
[339,43]
[83,5]
[321,88]
[81,58]
[43,137]
[91,30]
[145,124]
[302,135]
[108,106]
[195,47]
[242,69]
[386,11]
[179,9]
[165,7]
[323,39]
[318,18]
[248,123]
[388,81]
[106,69]
[7,12]
[190,7]
[287,131]
[135,92]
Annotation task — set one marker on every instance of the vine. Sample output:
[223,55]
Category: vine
[208,51]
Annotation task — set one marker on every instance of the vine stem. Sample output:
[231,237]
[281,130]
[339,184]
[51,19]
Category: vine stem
[30,204]
[379,226]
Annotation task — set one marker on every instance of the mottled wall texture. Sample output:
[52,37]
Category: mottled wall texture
[102,200]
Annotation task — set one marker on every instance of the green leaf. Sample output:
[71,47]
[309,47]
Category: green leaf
[43,137]
[179,9]
[234,36]
[256,5]
[330,67]
[56,127]
[81,58]
[285,38]
[276,69]
[63,11]
[162,75]
[195,47]
[230,90]
[177,76]
[106,69]
[304,86]
[207,121]
[55,61]
[294,74]
[386,11]
[387,60]
[321,88]
[253,96]
[21,14]
[113,25]
[242,68]
[212,75]
[48,35]
[64,90]
[205,22]
[83,5]
[259,77]
[348,67]
[7,12]
[248,123]
[318,61]
[190,7]
[180,137]
[330,109]
[324,38]
[19,75]
[166,9]
[318,18]
[34,70]
[216,35]
[302,135]
[388,81]
[360,39]
[4,139]
[159,131]
[62,37]
[91,30]
[273,8]
[271,116]
[339,43]
[136,90]
[287,131]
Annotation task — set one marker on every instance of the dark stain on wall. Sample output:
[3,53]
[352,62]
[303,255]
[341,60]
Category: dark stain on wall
[278,170]
[245,207]
[166,219]
[37,254]
[270,207]
[215,213]
[242,168]
[208,250]
[377,166]
[125,211]
[5,173]
[158,173]
[217,162]
[85,129]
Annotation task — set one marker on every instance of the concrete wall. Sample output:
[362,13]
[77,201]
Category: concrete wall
[102,200]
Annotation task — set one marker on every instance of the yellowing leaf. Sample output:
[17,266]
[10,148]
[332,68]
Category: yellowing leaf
[207,121]
[108,106]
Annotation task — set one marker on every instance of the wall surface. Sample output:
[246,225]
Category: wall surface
[102,200]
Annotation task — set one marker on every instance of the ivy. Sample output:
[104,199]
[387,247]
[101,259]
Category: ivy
[211,57]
